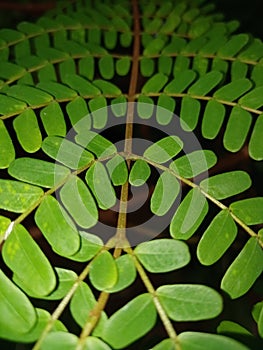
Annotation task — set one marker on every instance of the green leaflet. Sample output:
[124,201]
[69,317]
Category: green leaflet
[66,279]
[89,247]
[145,107]
[6,146]
[29,94]
[98,107]
[17,312]
[233,46]
[166,344]
[146,66]
[103,271]
[257,314]
[59,91]
[28,263]
[107,88]
[96,143]
[119,106]
[48,115]
[249,210]
[130,322]
[196,341]
[4,224]
[34,333]
[59,230]
[100,185]
[225,185]
[126,273]
[10,70]
[10,105]
[106,67]
[139,173]
[17,196]
[27,130]
[255,147]
[82,303]
[162,255]
[244,271]
[79,202]
[117,169]
[164,194]
[66,152]
[60,341]
[194,163]
[190,302]
[123,66]
[38,172]
[237,129]
[227,327]
[155,83]
[253,99]
[233,90]
[189,113]
[189,215]
[81,85]
[217,238]
[164,149]
[206,83]
[165,109]
[96,344]
[213,119]
[182,80]
[79,114]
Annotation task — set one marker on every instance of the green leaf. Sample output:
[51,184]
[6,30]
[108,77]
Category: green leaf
[34,333]
[145,107]
[233,46]
[96,344]
[17,196]
[4,225]
[206,83]
[257,314]
[229,327]
[100,185]
[182,80]
[79,114]
[98,107]
[118,171]
[237,129]
[189,113]
[103,271]
[107,88]
[48,115]
[189,215]
[190,302]
[217,238]
[66,279]
[213,119]
[140,173]
[96,143]
[155,83]
[66,152]
[197,341]
[119,106]
[79,202]
[6,147]
[90,245]
[165,109]
[255,147]
[253,99]
[233,90]
[24,257]
[16,310]
[165,65]
[163,255]
[153,47]
[249,210]
[60,341]
[123,66]
[166,344]
[146,66]
[10,105]
[164,149]
[106,67]
[81,85]
[37,172]
[27,130]
[59,91]
[11,71]
[126,273]
[225,185]
[164,194]
[194,163]
[82,303]
[57,227]
[244,271]
[29,94]
[130,322]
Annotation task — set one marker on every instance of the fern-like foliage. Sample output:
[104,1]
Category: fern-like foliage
[74,85]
